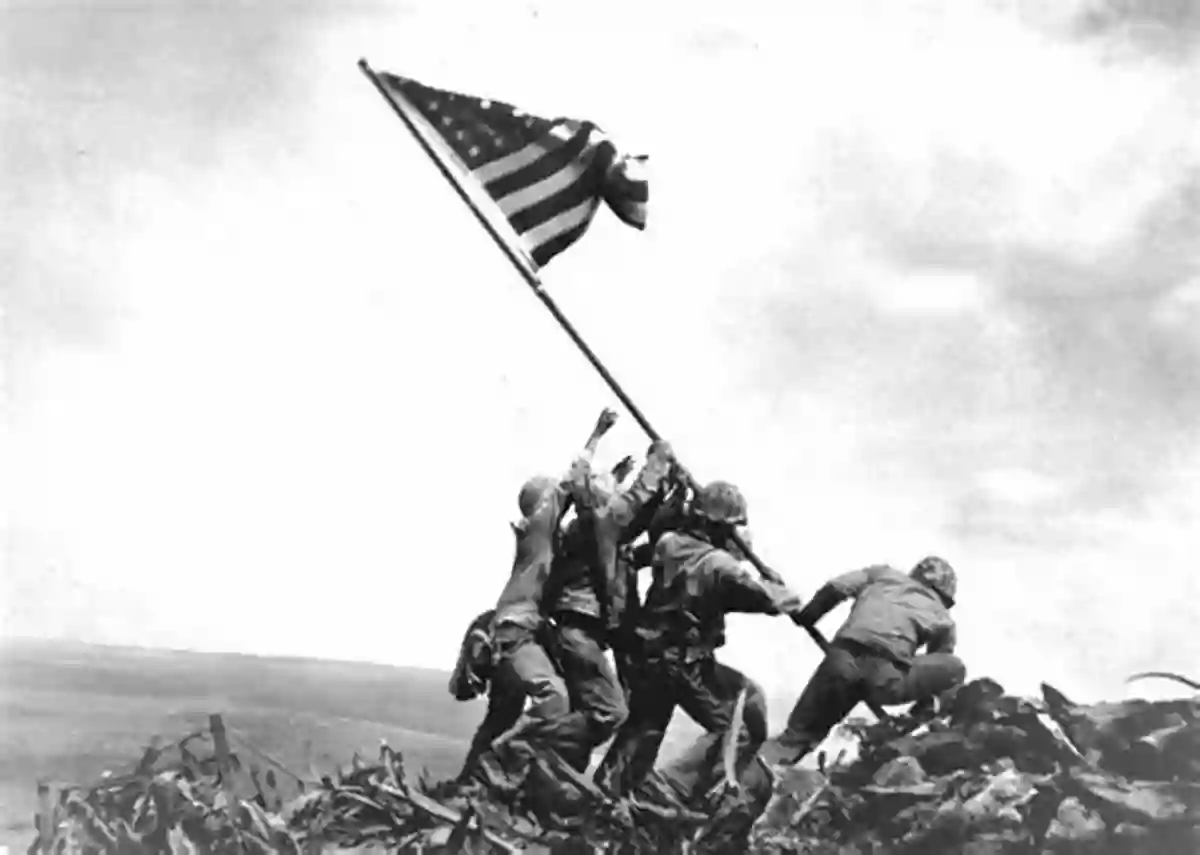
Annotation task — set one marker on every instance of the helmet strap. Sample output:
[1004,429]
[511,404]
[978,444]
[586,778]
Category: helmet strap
[711,531]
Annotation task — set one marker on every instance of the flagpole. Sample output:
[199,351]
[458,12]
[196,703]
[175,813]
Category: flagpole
[535,284]
[517,262]
[531,278]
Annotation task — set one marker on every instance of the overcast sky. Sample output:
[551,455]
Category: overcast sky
[921,277]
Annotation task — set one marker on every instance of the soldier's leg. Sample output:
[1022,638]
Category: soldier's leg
[834,689]
[549,721]
[593,687]
[929,676]
[506,701]
[525,663]
[709,694]
[547,725]
[631,755]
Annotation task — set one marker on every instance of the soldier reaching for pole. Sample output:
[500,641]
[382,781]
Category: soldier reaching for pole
[518,634]
[632,558]
[698,579]
[588,591]
[475,671]
[873,656]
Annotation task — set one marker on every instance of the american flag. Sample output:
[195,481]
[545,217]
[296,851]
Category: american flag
[547,177]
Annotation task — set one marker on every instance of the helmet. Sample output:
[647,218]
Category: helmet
[532,492]
[939,575]
[722,502]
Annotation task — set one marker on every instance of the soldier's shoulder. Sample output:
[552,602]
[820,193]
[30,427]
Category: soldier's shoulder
[727,564]
[884,572]
[670,541]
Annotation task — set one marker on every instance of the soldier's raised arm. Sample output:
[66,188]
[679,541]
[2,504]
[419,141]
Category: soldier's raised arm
[836,591]
[742,590]
[543,502]
[628,509]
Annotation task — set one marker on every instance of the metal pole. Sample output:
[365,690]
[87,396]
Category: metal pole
[530,277]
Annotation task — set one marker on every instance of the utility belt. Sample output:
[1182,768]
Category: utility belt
[507,638]
[675,645]
[590,624]
[860,648]
[619,638]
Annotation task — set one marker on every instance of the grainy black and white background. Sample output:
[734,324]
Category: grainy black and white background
[921,277]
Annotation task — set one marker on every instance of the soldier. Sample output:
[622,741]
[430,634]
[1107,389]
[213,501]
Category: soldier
[588,591]
[873,656]
[519,633]
[699,577]
[631,560]
[473,675]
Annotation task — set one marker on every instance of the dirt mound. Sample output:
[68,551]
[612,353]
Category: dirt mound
[992,774]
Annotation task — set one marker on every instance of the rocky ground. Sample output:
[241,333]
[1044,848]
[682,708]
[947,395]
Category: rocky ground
[992,773]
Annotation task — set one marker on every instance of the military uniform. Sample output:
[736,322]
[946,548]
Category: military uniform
[473,674]
[518,634]
[682,624]
[873,658]
[588,593]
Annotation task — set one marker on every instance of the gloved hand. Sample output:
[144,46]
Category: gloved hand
[804,615]
[787,602]
[621,471]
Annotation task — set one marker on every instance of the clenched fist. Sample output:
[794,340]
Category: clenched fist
[607,419]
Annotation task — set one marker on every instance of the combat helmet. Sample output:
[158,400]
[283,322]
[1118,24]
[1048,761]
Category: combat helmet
[532,492]
[720,502]
[939,575]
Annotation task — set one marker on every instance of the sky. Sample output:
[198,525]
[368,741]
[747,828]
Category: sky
[921,277]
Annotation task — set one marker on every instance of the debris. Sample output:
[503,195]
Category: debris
[990,773]
[903,771]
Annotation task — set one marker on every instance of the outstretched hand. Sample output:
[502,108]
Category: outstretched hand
[608,418]
[621,471]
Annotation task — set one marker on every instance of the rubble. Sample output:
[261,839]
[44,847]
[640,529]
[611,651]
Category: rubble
[997,773]
[992,773]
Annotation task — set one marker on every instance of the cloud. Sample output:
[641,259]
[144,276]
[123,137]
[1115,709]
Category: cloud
[920,277]
[97,96]
[1013,244]
[1167,28]
[1161,30]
